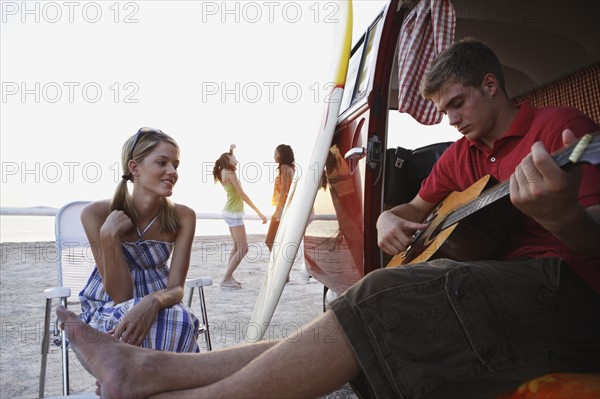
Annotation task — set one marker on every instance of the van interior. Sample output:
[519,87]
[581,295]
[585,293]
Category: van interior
[550,52]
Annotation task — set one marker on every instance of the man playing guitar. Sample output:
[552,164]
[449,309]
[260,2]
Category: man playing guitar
[511,309]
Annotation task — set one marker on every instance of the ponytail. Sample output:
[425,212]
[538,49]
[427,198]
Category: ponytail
[222,163]
[122,201]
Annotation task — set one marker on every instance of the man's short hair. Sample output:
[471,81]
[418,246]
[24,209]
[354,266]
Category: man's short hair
[466,62]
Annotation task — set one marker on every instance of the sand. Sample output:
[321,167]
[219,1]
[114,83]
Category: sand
[26,269]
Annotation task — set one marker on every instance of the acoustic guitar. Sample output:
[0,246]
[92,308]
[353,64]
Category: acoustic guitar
[472,224]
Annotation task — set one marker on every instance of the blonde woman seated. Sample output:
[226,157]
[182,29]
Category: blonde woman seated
[132,293]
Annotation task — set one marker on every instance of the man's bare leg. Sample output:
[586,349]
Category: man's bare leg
[124,370]
[318,362]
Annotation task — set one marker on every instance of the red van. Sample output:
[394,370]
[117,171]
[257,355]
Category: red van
[550,51]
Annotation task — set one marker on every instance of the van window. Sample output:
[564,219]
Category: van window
[353,66]
[404,131]
[369,61]
[361,66]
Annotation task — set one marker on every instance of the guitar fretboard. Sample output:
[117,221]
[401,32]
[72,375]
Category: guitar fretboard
[587,151]
[490,196]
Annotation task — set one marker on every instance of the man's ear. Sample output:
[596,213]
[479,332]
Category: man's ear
[490,85]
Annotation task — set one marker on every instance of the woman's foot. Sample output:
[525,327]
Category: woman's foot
[231,284]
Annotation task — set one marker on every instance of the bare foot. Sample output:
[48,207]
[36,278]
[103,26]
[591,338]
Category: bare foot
[113,363]
[231,284]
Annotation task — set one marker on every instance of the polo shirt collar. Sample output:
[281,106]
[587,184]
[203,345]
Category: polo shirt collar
[523,120]
[518,128]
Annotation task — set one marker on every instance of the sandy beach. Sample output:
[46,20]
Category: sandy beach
[26,269]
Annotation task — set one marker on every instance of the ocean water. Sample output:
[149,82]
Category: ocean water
[20,228]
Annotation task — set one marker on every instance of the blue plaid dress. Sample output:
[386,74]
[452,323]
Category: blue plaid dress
[175,329]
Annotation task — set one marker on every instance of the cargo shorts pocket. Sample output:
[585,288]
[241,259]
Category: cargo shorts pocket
[448,328]
[484,320]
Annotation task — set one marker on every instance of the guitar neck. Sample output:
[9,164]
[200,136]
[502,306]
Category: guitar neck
[564,157]
[488,197]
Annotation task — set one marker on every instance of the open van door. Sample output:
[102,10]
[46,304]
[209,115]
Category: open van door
[338,260]
[550,52]
[353,170]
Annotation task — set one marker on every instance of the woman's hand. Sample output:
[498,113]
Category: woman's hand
[136,323]
[263,217]
[116,224]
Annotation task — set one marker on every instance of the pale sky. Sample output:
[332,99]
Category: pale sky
[79,78]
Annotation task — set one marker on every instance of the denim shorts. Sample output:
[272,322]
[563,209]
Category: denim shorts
[233,222]
[441,327]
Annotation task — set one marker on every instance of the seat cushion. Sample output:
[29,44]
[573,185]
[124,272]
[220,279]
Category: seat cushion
[558,386]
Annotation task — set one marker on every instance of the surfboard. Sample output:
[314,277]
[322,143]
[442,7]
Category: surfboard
[300,201]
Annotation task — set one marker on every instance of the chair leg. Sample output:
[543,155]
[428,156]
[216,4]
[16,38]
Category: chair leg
[65,356]
[189,297]
[204,317]
[200,283]
[325,289]
[45,348]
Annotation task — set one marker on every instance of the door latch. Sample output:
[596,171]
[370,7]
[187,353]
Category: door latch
[374,153]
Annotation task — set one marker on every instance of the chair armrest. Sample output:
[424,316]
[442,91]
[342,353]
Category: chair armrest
[198,282]
[57,292]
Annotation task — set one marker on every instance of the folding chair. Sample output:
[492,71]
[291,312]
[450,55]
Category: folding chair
[200,283]
[75,263]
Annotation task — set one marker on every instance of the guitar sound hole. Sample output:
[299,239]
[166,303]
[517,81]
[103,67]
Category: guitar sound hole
[434,233]
[432,216]
[417,236]
[421,238]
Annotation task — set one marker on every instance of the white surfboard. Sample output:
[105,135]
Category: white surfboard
[298,208]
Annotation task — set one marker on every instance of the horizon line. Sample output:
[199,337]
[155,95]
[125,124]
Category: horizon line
[51,211]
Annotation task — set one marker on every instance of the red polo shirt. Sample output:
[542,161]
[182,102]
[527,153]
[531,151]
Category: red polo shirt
[465,162]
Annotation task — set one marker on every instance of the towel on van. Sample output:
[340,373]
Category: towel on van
[427,31]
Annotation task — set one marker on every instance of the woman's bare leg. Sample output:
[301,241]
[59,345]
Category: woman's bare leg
[127,371]
[240,249]
[318,362]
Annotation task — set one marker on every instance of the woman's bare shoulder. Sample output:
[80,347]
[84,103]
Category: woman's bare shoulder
[227,176]
[96,209]
[287,170]
[187,221]
[184,210]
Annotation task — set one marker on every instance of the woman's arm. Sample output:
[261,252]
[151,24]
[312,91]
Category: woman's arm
[230,177]
[104,230]
[287,174]
[180,262]
[137,322]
